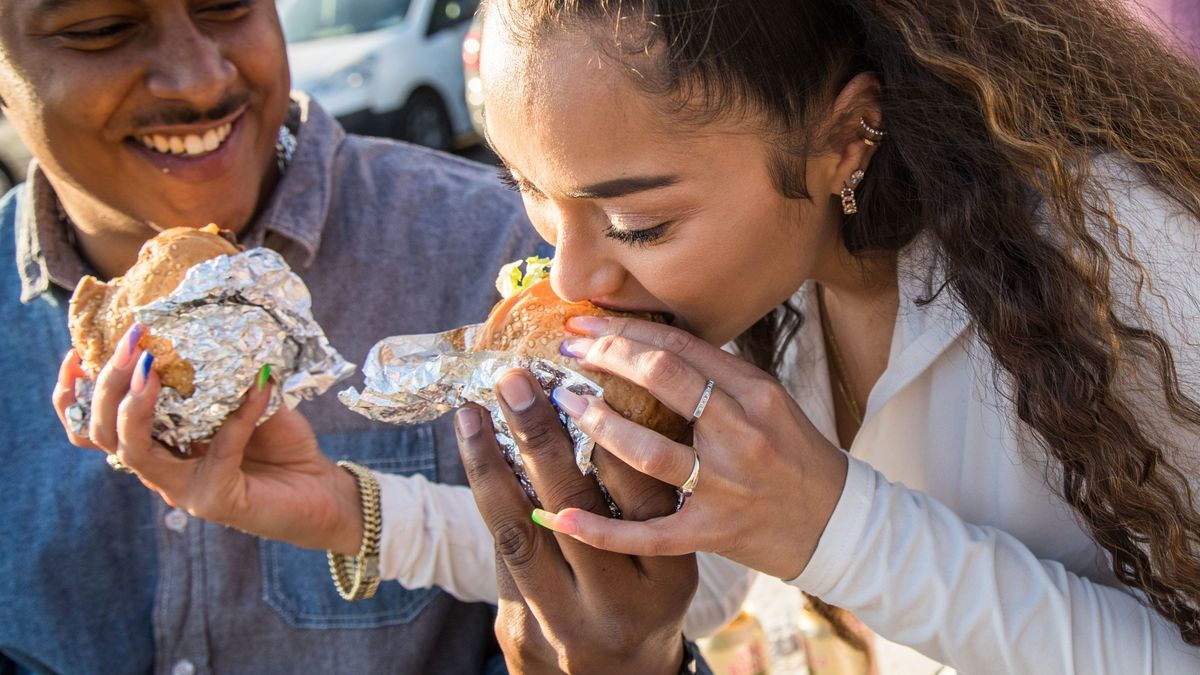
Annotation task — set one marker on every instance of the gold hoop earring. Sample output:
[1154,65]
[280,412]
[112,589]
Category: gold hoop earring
[849,201]
[871,135]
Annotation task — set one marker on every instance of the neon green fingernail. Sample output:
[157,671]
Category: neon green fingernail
[542,518]
[264,375]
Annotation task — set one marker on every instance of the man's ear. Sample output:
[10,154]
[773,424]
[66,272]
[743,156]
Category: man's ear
[857,119]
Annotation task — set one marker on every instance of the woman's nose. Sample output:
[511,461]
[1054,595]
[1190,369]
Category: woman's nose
[582,270]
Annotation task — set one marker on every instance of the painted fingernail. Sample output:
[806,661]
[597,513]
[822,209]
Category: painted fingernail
[128,345]
[576,347]
[516,392]
[264,376]
[141,372]
[552,521]
[569,402]
[587,325]
[467,422]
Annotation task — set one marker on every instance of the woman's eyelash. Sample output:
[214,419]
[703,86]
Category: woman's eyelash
[644,237]
[508,180]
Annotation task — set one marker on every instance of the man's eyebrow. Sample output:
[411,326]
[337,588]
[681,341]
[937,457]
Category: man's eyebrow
[47,6]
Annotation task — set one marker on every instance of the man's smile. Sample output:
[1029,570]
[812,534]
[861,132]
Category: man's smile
[191,140]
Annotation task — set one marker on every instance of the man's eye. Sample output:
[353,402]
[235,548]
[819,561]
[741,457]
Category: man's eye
[236,8]
[98,33]
[645,237]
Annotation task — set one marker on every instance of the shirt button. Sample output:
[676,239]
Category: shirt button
[177,521]
[183,667]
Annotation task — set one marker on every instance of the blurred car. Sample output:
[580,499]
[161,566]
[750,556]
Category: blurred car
[384,67]
[470,56]
[14,158]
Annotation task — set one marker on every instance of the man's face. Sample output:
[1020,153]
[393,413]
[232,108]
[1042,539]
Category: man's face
[166,111]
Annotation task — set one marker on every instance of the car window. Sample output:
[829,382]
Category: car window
[449,13]
[306,20]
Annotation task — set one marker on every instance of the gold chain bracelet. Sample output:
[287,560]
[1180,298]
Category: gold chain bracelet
[357,578]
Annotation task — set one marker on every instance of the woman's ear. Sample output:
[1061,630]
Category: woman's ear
[857,126]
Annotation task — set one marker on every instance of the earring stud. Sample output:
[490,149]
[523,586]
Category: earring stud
[849,201]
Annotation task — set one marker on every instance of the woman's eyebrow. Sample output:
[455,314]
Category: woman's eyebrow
[621,187]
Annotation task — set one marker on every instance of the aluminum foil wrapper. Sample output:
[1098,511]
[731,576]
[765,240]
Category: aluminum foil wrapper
[228,317]
[413,379]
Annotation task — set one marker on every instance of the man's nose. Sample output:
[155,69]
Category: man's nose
[190,67]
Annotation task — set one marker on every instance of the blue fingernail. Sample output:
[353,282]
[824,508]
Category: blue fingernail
[576,347]
[142,371]
[569,402]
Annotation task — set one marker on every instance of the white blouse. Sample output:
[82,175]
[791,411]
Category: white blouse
[433,535]
[947,537]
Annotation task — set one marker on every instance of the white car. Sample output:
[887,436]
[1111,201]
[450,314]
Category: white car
[384,67]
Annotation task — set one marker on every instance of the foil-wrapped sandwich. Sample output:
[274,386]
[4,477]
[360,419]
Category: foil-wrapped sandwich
[532,323]
[416,378]
[212,315]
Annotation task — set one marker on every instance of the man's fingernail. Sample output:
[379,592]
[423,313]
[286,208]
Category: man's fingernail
[141,372]
[587,325]
[264,376]
[128,345]
[576,347]
[569,402]
[467,421]
[516,392]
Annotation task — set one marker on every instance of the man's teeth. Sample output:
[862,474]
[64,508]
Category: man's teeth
[191,145]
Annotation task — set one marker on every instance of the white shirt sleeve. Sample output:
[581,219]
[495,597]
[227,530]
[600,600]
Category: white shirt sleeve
[976,598]
[433,535]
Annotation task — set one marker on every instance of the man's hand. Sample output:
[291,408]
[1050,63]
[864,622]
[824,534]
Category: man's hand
[270,480]
[564,606]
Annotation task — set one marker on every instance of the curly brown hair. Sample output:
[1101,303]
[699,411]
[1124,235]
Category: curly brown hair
[996,111]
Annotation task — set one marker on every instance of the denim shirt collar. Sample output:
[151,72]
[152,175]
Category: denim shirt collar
[295,213]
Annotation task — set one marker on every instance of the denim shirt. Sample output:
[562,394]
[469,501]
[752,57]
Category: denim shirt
[98,575]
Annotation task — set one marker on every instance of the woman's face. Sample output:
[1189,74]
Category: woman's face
[647,214]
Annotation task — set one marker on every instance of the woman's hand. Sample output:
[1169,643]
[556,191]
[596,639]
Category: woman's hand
[565,606]
[768,480]
[272,481]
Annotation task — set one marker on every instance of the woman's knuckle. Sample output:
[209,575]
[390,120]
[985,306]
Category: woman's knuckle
[605,347]
[598,421]
[676,341]
[662,366]
[655,459]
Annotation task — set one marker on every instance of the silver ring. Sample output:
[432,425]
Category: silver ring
[116,464]
[702,404]
[689,486]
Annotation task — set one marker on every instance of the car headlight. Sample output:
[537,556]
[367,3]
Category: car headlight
[355,76]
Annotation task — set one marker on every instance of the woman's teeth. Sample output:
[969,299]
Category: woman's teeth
[192,145]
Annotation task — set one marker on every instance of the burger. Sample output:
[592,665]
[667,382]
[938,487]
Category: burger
[531,320]
[100,313]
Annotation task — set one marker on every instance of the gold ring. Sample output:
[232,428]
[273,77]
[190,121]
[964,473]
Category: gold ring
[116,464]
[689,486]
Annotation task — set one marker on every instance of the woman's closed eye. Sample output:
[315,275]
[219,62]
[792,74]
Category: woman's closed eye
[642,237]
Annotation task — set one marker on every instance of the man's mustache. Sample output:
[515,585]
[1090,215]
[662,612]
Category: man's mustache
[186,115]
